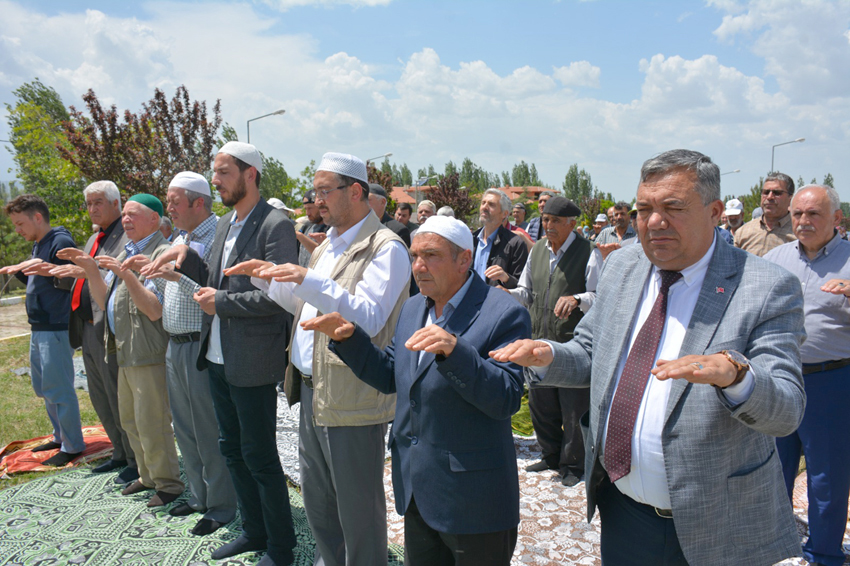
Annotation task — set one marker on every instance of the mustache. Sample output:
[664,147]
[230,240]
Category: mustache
[804,229]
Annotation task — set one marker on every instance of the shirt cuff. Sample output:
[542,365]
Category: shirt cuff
[740,392]
[261,284]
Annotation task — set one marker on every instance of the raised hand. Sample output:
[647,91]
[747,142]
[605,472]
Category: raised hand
[525,353]
[331,324]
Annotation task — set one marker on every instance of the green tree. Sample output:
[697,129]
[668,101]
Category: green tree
[577,184]
[521,175]
[828,180]
[448,193]
[406,177]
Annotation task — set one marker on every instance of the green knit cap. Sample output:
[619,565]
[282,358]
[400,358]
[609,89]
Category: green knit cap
[149,201]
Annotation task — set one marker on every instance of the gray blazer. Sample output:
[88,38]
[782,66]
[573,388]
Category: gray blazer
[726,487]
[254,329]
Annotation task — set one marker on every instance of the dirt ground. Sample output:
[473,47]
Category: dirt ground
[13,320]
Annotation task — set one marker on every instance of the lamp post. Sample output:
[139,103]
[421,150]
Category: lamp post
[275,113]
[371,159]
[772,149]
[421,181]
[730,172]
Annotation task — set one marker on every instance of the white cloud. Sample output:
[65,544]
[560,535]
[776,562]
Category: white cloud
[284,5]
[578,73]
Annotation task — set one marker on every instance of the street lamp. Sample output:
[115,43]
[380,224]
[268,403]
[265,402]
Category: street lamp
[371,159]
[730,172]
[277,112]
[798,140]
[421,181]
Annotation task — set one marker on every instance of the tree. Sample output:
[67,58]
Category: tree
[521,175]
[406,177]
[141,153]
[274,181]
[35,131]
[451,168]
[577,184]
[448,193]
[533,180]
[506,179]
[828,180]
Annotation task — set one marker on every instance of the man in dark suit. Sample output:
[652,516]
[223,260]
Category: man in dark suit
[498,254]
[451,440]
[243,345]
[687,396]
[378,202]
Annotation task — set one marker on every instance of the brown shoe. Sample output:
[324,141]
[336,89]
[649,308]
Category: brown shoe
[135,487]
[161,498]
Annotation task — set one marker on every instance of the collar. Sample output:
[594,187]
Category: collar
[695,273]
[132,248]
[456,298]
[345,239]
[204,228]
[825,250]
[111,228]
[570,239]
[236,223]
[782,221]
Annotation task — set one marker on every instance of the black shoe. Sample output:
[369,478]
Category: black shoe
[130,473]
[109,466]
[238,546]
[268,561]
[205,527]
[60,459]
[181,510]
[46,446]
[161,498]
[570,480]
[540,466]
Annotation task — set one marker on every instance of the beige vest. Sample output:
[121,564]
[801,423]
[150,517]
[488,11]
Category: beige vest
[339,397]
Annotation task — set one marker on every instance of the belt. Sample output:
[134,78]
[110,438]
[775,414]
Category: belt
[825,366]
[308,380]
[185,338]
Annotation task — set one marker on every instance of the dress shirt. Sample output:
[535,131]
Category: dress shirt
[181,314]
[756,238]
[132,248]
[448,309]
[523,291]
[609,235]
[369,307]
[482,252]
[827,316]
[214,352]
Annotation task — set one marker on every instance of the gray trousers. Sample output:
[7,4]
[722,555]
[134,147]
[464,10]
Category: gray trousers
[342,470]
[210,486]
[102,377]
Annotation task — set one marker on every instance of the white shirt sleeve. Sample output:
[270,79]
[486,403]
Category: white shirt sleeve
[281,293]
[522,293]
[386,276]
[591,278]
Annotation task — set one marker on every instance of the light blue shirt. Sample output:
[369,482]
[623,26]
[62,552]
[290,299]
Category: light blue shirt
[132,248]
[448,309]
[482,252]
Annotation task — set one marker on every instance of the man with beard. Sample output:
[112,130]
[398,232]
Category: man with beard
[312,232]
[534,229]
[760,235]
[734,215]
[619,233]
[243,346]
[499,254]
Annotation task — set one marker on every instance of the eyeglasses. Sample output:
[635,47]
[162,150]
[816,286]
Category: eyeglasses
[775,192]
[323,193]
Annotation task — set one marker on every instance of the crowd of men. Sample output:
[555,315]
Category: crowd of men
[678,360]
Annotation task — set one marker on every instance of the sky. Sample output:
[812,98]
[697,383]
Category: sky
[605,84]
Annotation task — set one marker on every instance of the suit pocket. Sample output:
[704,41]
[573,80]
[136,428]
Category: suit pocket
[754,500]
[475,460]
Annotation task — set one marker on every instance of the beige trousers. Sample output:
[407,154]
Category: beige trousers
[146,417]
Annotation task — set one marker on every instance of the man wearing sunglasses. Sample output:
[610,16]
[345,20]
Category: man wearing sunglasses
[760,235]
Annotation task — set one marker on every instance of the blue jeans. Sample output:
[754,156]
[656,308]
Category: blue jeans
[52,373]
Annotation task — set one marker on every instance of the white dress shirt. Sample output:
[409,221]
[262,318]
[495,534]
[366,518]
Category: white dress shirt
[214,352]
[374,298]
[523,291]
[647,480]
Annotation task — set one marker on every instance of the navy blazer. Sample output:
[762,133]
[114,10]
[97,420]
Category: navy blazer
[451,441]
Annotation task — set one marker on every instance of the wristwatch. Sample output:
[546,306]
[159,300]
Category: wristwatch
[741,363]
[578,299]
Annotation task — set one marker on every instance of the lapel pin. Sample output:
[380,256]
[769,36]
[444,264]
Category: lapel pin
[719,290]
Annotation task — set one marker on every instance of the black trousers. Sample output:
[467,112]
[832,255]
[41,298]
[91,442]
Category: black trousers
[633,534]
[423,546]
[555,412]
[247,423]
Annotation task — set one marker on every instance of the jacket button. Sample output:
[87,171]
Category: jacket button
[412,403]
[462,385]
[450,374]
[414,440]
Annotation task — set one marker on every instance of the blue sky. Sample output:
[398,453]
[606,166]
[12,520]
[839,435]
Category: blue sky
[605,84]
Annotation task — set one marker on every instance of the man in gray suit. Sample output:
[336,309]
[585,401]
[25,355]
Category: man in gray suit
[243,342]
[687,397]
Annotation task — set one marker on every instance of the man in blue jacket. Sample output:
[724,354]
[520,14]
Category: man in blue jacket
[48,310]
[453,458]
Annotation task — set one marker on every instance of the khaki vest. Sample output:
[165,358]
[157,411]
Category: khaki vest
[138,340]
[568,278]
[339,397]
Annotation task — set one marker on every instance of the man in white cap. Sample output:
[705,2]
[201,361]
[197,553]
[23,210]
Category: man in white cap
[599,223]
[243,346]
[453,459]
[189,202]
[734,215]
[362,271]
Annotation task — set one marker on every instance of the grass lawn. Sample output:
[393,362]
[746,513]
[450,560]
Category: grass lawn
[521,421]
[22,414]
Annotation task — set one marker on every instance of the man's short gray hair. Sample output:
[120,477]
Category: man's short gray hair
[192,196]
[708,173]
[429,204]
[504,200]
[106,188]
[166,221]
[446,211]
[787,182]
[832,194]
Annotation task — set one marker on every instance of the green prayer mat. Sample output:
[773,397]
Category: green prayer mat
[80,518]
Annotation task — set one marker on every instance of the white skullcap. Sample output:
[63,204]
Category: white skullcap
[345,164]
[449,228]
[244,151]
[601,218]
[278,204]
[191,182]
[734,207]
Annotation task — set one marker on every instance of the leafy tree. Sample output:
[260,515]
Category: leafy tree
[9,192]
[534,180]
[506,179]
[451,168]
[577,184]
[800,181]
[752,200]
[405,176]
[448,193]
[828,180]
[274,182]
[141,153]
[35,132]
[386,167]
[521,175]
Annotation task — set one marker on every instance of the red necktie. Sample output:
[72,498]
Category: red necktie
[78,284]
[632,384]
